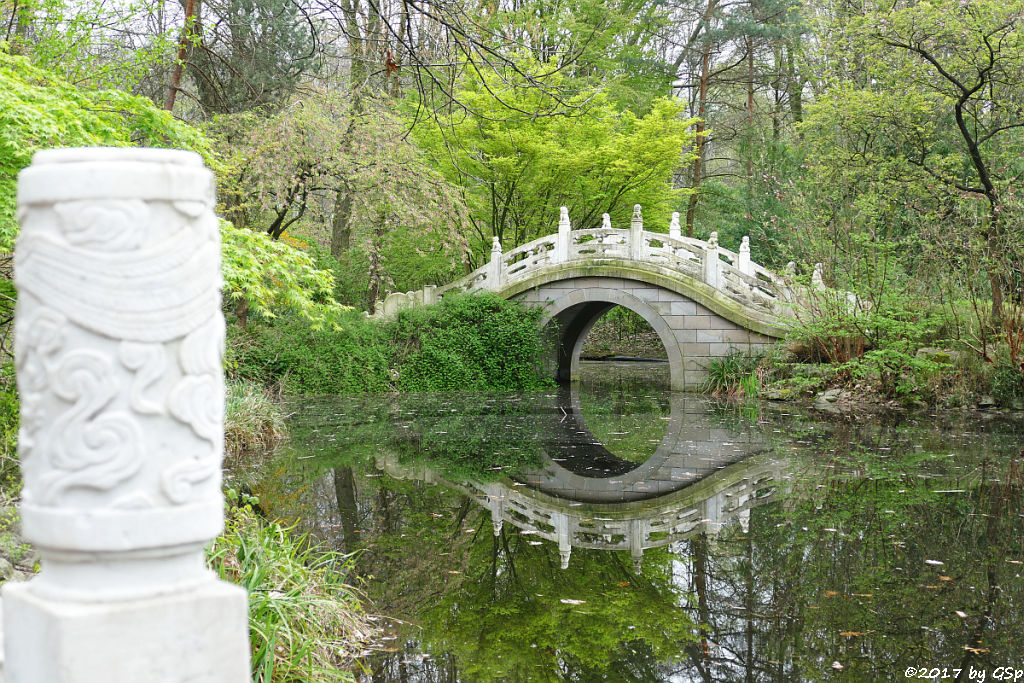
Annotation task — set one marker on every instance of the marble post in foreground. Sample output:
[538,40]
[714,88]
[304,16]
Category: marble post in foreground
[118,343]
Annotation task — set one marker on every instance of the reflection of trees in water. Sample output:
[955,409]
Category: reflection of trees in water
[844,572]
[835,572]
[512,614]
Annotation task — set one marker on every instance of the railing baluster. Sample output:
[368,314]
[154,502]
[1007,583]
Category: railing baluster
[636,235]
[562,242]
[711,261]
[496,270]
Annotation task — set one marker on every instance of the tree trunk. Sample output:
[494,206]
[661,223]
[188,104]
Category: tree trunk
[345,494]
[796,87]
[750,106]
[17,29]
[376,267]
[242,312]
[701,572]
[702,96]
[341,227]
[179,66]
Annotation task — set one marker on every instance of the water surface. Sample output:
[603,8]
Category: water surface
[617,531]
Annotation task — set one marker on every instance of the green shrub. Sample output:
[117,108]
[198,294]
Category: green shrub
[469,341]
[465,342]
[1006,382]
[351,273]
[349,355]
[10,473]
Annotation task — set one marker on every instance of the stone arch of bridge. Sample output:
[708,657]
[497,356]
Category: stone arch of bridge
[569,318]
[690,450]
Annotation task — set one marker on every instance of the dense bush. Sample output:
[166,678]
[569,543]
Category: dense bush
[350,355]
[465,342]
[468,342]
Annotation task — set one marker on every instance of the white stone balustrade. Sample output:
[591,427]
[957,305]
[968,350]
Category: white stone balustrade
[733,274]
[635,527]
[119,339]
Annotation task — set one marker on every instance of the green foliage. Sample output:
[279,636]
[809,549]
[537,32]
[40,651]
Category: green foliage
[609,52]
[272,277]
[1006,382]
[39,110]
[251,54]
[351,273]
[350,355]
[465,342]
[305,621]
[517,169]
[10,419]
[91,42]
[470,342]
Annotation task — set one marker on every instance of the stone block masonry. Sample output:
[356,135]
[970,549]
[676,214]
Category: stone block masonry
[692,338]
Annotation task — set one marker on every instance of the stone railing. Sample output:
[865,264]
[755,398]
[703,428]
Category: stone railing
[733,274]
[708,506]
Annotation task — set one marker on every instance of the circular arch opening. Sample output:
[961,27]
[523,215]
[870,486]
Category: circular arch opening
[570,319]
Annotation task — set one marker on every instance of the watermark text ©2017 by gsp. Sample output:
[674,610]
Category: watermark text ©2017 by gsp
[971,673]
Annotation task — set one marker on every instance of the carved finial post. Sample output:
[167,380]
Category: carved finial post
[562,241]
[119,339]
[711,260]
[560,520]
[495,268]
[743,261]
[673,228]
[496,506]
[429,295]
[637,533]
[817,281]
[606,221]
[636,235]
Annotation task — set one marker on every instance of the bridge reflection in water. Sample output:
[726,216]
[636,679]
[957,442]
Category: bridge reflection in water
[700,478]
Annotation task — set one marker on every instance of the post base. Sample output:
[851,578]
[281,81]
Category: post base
[198,636]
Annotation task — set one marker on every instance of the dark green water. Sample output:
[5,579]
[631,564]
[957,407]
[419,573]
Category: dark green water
[700,542]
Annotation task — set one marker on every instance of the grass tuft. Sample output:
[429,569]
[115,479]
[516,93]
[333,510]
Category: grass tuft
[306,623]
[253,424]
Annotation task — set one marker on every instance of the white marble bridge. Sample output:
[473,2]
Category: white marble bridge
[704,301]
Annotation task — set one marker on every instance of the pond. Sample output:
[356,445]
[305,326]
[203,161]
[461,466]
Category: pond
[617,531]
